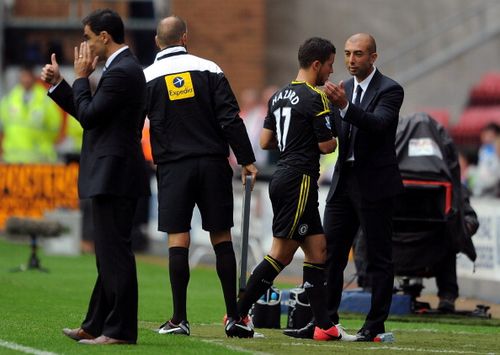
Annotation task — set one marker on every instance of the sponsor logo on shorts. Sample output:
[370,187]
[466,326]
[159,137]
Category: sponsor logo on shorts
[179,86]
[303,229]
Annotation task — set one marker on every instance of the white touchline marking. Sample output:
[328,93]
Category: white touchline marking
[24,349]
[418,330]
[336,344]
[232,347]
[395,348]
[431,330]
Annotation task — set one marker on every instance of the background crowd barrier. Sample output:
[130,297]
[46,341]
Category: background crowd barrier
[482,279]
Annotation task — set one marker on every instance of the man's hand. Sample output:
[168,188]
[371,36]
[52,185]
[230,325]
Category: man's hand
[336,94]
[84,63]
[50,72]
[249,169]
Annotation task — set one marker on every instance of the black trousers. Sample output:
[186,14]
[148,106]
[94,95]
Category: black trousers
[113,305]
[344,213]
[446,276]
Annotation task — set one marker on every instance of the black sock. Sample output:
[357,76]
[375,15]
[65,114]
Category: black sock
[226,270]
[314,284]
[261,279]
[178,267]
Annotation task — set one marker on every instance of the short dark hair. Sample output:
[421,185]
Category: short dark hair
[492,126]
[173,32]
[372,46]
[315,48]
[106,20]
[27,67]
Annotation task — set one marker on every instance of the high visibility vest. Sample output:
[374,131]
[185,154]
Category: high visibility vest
[74,132]
[29,129]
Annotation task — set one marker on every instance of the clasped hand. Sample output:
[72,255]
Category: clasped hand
[336,94]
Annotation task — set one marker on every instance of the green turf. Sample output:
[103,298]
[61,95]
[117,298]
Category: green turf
[35,307]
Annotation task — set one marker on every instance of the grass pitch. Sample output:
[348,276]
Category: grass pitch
[35,306]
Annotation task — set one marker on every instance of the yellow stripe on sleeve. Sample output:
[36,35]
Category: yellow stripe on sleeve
[324,100]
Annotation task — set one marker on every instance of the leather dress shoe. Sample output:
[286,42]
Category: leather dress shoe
[446,305]
[104,340]
[77,334]
[365,335]
[303,333]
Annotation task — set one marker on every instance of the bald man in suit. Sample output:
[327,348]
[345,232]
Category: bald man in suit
[365,180]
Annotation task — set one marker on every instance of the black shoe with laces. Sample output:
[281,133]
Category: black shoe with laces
[171,328]
[238,328]
[365,335]
[446,305]
[303,333]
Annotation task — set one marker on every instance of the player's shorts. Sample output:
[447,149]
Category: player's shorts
[294,197]
[204,181]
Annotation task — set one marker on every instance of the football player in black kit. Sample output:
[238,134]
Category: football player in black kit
[298,124]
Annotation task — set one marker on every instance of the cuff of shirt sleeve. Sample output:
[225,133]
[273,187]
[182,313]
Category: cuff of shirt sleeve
[53,87]
[344,110]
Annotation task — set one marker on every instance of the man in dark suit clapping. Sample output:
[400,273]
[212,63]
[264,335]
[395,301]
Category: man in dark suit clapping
[112,169]
[365,180]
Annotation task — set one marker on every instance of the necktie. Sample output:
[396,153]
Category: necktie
[354,129]
[359,93]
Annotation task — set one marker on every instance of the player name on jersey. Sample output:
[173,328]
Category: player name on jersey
[287,94]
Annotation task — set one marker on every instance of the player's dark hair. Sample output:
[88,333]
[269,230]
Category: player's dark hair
[106,20]
[315,48]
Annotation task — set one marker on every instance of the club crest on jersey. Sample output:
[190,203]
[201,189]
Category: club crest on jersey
[328,123]
[303,229]
[179,86]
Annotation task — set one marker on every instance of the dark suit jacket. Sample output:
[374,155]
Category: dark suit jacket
[376,166]
[111,162]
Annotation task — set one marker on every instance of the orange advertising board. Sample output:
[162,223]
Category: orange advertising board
[28,190]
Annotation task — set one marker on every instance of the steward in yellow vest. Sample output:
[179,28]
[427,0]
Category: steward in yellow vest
[30,122]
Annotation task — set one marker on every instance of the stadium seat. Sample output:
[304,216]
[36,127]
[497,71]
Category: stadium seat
[473,119]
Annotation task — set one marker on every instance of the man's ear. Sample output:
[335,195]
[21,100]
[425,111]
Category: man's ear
[105,37]
[316,65]
[156,42]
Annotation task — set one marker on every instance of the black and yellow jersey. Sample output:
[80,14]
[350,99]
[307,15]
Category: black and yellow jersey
[299,116]
[192,110]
